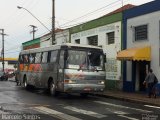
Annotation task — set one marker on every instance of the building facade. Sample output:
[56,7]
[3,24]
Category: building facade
[61,36]
[46,40]
[106,33]
[31,44]
[141,45]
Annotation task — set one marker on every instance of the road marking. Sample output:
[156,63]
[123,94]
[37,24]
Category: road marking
[2,112]
[32,104]
[117,112]
[152,106]
[121,106]
[130,118]
[86,112]
[55,113]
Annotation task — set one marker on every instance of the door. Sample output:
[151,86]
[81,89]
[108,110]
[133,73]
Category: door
[60,77]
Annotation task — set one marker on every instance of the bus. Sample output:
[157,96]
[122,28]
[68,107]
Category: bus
[67,68]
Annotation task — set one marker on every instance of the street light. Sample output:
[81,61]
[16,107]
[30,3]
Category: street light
[53,20]
[34,17]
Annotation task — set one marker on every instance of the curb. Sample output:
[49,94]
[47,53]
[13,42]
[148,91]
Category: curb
[138,101]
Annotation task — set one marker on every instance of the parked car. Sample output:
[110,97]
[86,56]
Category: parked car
[3,76]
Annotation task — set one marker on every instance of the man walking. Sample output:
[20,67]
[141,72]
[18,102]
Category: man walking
[150,81]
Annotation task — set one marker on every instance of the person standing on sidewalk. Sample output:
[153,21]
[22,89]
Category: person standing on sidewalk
[150,81]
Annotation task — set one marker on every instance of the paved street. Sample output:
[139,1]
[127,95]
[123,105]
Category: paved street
[17,103]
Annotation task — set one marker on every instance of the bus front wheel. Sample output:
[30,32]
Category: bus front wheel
[52,89]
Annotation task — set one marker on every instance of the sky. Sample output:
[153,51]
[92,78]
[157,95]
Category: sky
[16,22]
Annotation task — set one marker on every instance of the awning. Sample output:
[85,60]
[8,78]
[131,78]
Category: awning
[135,54]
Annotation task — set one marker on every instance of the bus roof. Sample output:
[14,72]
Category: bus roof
[58,46]
[81,45]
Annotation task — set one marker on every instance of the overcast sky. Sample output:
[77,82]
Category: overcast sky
[16,22]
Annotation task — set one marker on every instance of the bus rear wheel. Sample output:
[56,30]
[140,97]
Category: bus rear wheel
[52,89]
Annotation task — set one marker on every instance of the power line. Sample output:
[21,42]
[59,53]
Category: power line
[33,16]
[71,25]
[90,13]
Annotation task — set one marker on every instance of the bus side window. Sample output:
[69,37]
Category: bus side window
[26,59]
[38,58]
[21,58]
[61,59]
[49,57]
[53,57]
[44,57]
[32,58]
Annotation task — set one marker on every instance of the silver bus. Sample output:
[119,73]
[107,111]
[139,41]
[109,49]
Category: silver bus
[68,68]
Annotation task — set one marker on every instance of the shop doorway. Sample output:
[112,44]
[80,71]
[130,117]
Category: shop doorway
[143,67]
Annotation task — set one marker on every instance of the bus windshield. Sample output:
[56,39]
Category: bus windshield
[91,60]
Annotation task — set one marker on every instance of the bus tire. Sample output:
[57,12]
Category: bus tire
[52,89]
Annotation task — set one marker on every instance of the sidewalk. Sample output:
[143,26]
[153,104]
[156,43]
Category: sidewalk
[131,97]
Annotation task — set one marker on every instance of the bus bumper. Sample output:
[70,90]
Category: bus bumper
[83,88]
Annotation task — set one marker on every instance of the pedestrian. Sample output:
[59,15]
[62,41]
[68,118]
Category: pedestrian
[151,80]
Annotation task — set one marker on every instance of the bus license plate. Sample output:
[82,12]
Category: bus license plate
[87,89]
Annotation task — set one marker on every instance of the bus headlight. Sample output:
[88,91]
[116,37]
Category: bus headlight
[101,82]
[69,81]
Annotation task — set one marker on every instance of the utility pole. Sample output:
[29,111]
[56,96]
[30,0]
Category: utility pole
[122,46]
[33,31]
[2,47]
[53,22]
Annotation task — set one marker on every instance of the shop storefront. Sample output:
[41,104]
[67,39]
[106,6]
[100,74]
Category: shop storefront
[140,45]
[137,62]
